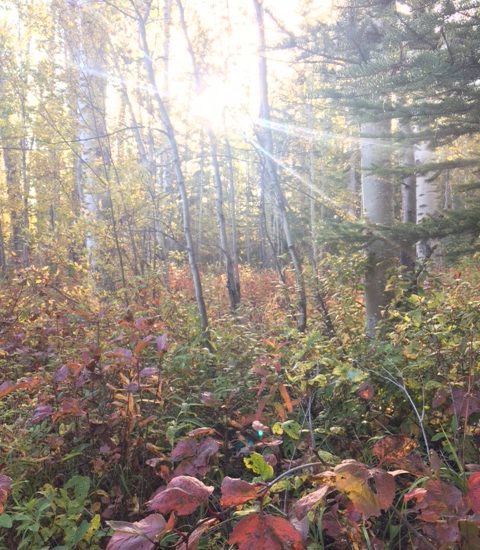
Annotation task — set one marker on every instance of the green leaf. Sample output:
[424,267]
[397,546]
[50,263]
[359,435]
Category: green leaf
[80,533]
[5,521]
[277,429]
[345,372]
[80,485]
[328,457]
[320,380]
[292,429]
[259,466]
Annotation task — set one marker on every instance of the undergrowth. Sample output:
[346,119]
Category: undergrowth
[116,420]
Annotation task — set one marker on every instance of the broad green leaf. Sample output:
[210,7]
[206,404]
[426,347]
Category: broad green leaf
[259,466]
[5,521]
[292,429]
[277,428]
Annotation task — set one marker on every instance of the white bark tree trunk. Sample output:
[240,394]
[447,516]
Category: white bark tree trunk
[87,43]
[409,200]
[428,200]
[377,206]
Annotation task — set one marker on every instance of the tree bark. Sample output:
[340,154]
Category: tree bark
[377,206]
[409,199]
[428,200]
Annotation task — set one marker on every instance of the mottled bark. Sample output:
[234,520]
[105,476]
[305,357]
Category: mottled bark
[428,200]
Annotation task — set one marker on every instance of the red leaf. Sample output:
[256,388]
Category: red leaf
[69,407]
[6,388]
[437,500]
[418,494]
[5,488]
[473,493]
[41,412]
[196,534]
[237,491]
[394,449]
[366,391]
[201,431]
[463,403]
[306,503]
[183,495]
[261,532]
[141,535]
[185,448]
[446,533]
[198,463]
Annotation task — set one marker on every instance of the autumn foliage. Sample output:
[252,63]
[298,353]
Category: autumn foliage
[121,433]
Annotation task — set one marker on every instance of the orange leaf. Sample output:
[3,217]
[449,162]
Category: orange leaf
[261,532]
[69,407]
[237,491]
[5,488]
[141,345]
[286,397]
[7,387]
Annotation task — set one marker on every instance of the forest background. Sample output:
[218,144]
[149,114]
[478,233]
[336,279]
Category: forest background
[239,274]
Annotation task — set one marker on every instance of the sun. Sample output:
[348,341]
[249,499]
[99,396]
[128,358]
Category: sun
[221,103]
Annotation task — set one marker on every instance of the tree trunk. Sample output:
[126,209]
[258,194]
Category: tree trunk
[11,163]
[266,144]
[233,218]
[377,199]
[428,201]
[177,164]
[87,46]
[409,199]
[232,286]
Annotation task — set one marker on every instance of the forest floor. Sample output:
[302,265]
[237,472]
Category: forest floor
[116,419]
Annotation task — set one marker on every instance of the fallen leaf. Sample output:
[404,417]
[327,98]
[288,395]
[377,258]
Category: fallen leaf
[41,412]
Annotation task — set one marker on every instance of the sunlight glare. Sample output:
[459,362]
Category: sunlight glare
[218,101]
